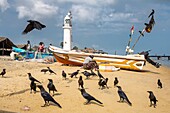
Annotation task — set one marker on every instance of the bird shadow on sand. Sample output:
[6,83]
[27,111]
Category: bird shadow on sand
[57,94]
[15,93]
[148,71]
[124,102]
[95,104]
[6,77]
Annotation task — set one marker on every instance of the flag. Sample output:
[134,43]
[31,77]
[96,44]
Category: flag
[132,30]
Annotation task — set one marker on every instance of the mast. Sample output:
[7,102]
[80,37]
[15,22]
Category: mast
[67,27]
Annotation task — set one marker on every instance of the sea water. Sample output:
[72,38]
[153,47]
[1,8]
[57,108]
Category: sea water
[163,61]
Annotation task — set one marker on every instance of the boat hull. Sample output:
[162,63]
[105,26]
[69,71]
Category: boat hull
[130,62]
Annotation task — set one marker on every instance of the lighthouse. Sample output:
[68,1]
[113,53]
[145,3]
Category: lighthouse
[67,27]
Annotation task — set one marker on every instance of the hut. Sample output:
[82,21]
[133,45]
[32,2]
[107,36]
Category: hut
[6,46]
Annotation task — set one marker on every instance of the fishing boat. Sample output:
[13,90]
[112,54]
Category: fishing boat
[68,56]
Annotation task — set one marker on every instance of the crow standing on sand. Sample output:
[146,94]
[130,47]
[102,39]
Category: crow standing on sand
[3,72]
[64,75]
[51,86]
[123,96]
[103,83]
[88,97]
[51,71]
[32,78]
[116,81]
[80,82]
[33,86]
[159,83]
[44,70]
[152,99]
[74,74]
[33,25]
[99,74]
[47,97]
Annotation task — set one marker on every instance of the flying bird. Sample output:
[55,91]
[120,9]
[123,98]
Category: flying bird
[47,97]
[116,81]
[152,99]
[123,96]
[33,25]
[32,78]
[51,86]
[3,72]
[152,13]
[88,97]
[159,83]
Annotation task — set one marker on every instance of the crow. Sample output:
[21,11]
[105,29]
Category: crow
[152,13]
[64,74]
[74,73]
[159,83]
[51,71]
[152,98]
[3,72]
[116,81]
[44,70]
[99,74]
[88,97]
[32,78]
[33,86]
[51,86]
[87,74]
[80,82]
[92,73]
[33,24]
[47,97]
[103,83]
[123,96]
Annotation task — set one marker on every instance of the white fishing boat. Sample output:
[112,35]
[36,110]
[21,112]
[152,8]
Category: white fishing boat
[68,56]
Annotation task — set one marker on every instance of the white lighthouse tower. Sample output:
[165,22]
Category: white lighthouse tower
[67,27]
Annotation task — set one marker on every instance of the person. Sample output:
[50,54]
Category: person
[28,46]
[41,47]
[90,64]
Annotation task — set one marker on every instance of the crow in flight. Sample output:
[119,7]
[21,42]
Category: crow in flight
[152,13]
[33,25]
[47,97]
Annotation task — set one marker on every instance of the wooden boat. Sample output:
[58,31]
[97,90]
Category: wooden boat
[130,62]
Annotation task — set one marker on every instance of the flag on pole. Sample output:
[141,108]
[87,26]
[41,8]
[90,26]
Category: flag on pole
[132,30]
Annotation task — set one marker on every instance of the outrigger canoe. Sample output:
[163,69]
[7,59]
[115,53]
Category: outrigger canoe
[130,62]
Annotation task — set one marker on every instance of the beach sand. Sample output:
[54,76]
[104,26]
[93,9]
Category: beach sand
[15,90]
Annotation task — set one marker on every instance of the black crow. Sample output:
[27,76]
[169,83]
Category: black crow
[32,78]
[64,75]
[74,73]
[33,24]
[80,82]
[93,73]
[99,74]
[87,74]
[88,97]
[44,70]
[3,72]
[103,83]
[51,86]
[159,83]
[116,81]
[33,86]
[123,96]
[152,98]
[47,97]
[51,71]
[152,13]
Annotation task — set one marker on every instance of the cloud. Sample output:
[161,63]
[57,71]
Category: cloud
[4,5]
[36,10]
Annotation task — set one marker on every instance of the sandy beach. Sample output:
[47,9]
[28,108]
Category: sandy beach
[15,89]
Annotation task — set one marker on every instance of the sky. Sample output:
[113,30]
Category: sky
[100,24]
